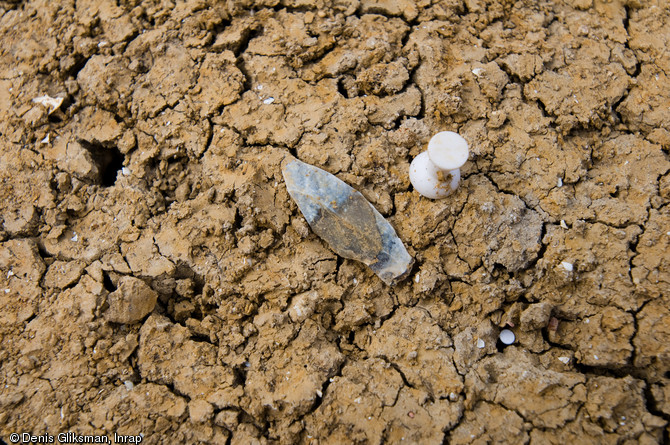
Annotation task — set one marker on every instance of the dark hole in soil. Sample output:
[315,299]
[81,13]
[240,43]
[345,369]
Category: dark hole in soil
[108,159]
[107,282]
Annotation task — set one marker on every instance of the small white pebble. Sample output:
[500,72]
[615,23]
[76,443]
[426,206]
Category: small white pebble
[125,171]
[507,336]
[269,100]
[595,357]
[453,396]
[565,360]
[45,140]
[559,183]
[567,266]
[417,278]
[563,224]
[52,103]
[319,393]
[477,71]
[75,238]
[480,343]
[128,384]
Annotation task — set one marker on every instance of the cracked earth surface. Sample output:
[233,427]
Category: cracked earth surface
[157,279]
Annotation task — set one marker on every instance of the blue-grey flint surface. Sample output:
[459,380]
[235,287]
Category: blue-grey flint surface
[351,226]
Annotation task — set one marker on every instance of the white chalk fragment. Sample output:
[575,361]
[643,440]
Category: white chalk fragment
[319,393]
[477,71]
[45,140]
[129,385]
[75,238]
[480,343]
[565,360]
[559,183]
[507,336]
[269,100]
[567,266]
[52,103]
[563,224]
[125,171]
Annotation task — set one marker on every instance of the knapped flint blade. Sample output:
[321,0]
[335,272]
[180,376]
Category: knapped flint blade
[350,225]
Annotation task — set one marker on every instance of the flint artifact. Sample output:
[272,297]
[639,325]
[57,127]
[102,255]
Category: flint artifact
[350,225]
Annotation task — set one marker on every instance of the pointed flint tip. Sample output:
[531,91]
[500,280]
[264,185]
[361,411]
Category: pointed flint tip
[342,217]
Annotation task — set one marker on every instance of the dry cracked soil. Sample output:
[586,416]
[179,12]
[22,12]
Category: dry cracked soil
[157,279]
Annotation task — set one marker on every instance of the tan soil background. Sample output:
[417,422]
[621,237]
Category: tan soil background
[156,278]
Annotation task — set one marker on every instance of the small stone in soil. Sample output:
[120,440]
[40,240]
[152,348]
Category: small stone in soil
[507,336]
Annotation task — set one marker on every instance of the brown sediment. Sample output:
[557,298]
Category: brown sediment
[163,164]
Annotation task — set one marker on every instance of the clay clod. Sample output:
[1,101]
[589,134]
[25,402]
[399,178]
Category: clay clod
[131,301]
[350,225]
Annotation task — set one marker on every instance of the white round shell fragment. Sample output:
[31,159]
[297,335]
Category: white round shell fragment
[507,336]
[448,150]
[567,266]
[425,177]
